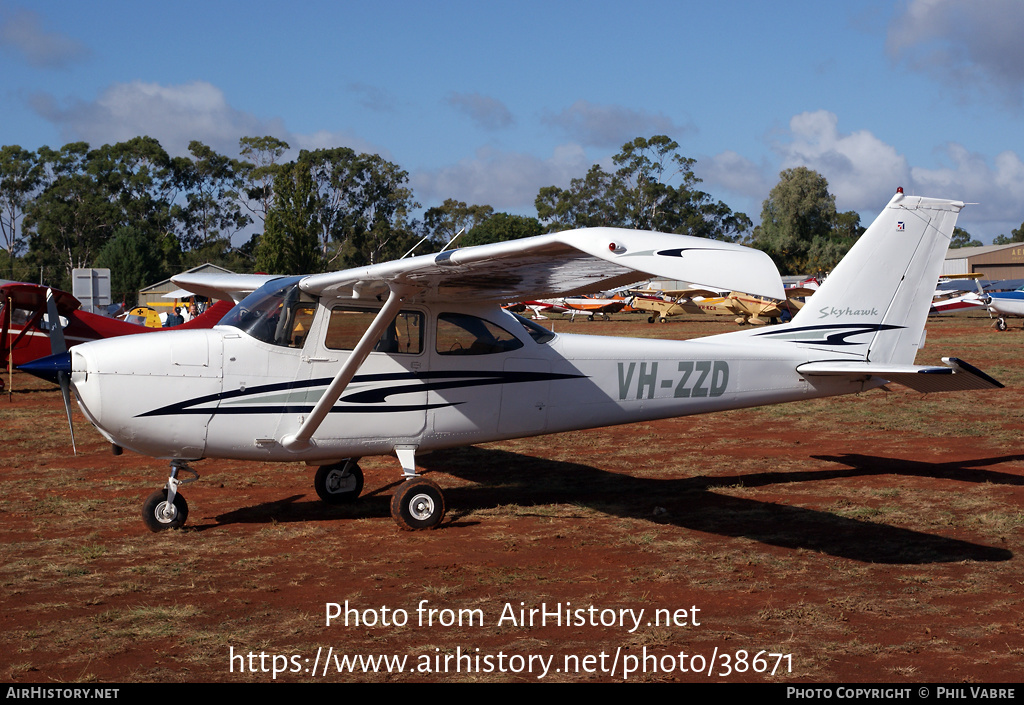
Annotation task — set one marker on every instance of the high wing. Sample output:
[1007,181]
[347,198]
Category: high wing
[222,285]
[560,264]
[33,297]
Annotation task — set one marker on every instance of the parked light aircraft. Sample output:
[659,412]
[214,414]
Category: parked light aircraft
[950,295]
[25,323]
[410,356]
[1004,304]
[755,310]
[578,305]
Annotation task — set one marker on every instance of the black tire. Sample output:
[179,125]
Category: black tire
[1000,324]
[417,505]
[158,516]
[336,486]
[662,320]
[650,319]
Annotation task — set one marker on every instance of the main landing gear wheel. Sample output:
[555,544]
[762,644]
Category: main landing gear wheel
[160,515]
[338,483]
[1000,324]
[417,504]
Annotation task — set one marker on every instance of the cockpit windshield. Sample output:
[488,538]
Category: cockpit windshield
[278,313]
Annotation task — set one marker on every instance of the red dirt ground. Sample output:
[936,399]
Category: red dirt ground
[877,537]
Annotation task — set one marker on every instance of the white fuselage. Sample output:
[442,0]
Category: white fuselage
[1009,303]
[221,393]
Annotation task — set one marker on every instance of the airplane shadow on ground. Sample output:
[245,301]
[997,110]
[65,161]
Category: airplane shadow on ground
[504,478]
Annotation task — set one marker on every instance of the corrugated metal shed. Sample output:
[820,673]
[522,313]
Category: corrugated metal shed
[991,261]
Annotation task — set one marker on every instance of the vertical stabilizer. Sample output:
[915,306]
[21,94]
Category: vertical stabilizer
[879,294]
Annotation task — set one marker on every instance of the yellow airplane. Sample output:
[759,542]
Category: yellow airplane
[755,310]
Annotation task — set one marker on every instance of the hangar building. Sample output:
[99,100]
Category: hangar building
[991,261]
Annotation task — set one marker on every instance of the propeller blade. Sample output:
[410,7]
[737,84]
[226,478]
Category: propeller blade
[53,329]
[59,347]
[65,390]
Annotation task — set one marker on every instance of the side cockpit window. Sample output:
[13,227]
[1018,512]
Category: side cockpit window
[404,336]
[461,334]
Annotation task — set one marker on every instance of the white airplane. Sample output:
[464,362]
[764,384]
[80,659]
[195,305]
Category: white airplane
[1004,304]
[415,355]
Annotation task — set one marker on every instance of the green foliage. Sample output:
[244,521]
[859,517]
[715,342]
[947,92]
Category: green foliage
[134,260]
[962,238]
[20,175]
[290,243]
[444,222]
[654,188]
[213,208]
[258,174]
[1016,235]
[499,228]
[800,228]
[364,206]
[73,217]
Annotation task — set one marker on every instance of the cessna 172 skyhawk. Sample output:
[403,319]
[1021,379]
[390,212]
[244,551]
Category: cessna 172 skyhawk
[414,355]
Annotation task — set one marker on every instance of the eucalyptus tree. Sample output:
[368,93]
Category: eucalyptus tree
[290,243]
[261,161]
[365,206]
[502,227]
[213,209]
[653,188]
[800,228]
[442,223]
[20,177]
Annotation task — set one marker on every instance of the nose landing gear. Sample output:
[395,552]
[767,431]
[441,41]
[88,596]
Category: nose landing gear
[165,508]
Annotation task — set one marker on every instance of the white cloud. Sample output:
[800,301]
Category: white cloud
[508,181]
[611,125]
[972,44]
[996,188]
[174,115]
[487,112]
[863,172]
[23,34]
[734,172]
[861,169]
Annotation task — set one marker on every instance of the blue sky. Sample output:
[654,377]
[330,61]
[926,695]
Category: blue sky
[487,102]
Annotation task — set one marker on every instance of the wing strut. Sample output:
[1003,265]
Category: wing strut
[300,440]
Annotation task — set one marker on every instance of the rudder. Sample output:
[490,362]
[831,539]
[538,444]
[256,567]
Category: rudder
[884,285]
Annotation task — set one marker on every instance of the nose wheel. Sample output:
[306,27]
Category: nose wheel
[159,515]
[165,508]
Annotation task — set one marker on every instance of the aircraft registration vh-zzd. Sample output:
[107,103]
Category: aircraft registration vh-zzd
[415,355]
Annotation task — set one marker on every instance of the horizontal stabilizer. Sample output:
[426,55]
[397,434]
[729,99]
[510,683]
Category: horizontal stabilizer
[956,376]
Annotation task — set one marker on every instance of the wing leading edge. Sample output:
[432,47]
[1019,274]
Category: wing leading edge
[560,264]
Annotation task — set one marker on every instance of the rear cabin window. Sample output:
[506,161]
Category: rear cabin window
[461,334]
[404,336]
